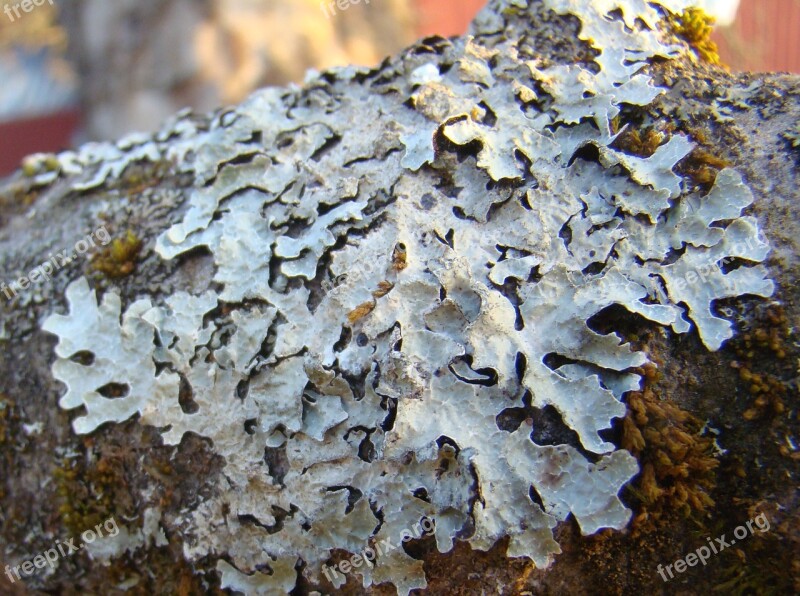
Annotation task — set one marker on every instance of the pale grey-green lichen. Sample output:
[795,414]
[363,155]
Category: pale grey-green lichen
[449,285]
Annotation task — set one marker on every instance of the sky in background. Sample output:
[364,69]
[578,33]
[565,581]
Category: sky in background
[723,10]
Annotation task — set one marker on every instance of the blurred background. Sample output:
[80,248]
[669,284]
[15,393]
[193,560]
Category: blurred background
[80,70]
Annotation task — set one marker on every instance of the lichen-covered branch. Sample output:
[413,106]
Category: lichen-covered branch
[355,292]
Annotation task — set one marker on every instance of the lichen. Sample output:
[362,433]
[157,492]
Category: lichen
[465,278]
[141,176]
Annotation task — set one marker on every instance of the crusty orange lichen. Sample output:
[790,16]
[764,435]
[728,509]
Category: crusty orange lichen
[384,287]
[695,26]
[677,463]
[360,311]
[399,257]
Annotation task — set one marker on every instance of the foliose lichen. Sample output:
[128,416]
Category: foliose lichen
[349,406]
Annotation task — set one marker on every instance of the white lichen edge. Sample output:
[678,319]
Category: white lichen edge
[395,419]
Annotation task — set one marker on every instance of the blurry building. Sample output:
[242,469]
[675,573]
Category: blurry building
[142,60]
[764,37]
[38,95]
[446,17]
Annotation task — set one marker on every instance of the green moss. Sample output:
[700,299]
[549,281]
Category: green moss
[18,193]
[29,169]
[140,176]
[89,493]
[695,27]
[793,136]
[763,563]
[641,143]
[119,259]
[40,164]
[701,166]
[79,508]
[677,462]
[766,342]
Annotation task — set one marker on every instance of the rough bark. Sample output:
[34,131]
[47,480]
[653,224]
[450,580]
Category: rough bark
[55,482]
